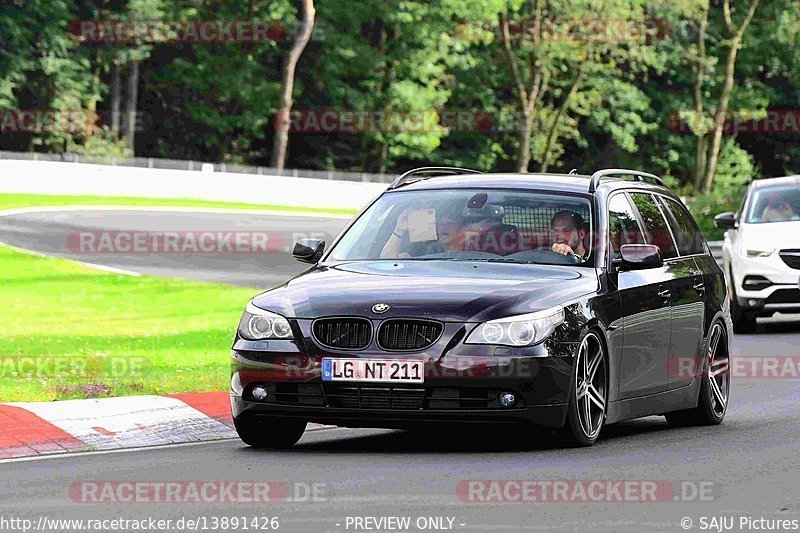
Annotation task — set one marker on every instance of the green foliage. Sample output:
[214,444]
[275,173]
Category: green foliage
[102,144]
[736,171]
[165,325]
[611,100]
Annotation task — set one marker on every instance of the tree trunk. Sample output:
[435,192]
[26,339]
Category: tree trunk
[281,140]
[91,106]
[524,140]
[553,133]
[724,99]
[115,99]
[719,118]
[132,97]
[383,156]
[527,97]
[701,145]
[701,151]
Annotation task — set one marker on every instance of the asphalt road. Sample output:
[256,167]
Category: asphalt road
[746,467]
[59,233]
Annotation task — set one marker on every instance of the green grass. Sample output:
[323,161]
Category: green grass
[121,334]
[69,331]
[13,201]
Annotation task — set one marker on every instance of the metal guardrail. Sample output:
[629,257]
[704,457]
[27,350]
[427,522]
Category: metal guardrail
[716,250]
[179,164]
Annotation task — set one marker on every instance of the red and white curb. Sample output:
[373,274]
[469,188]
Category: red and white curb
[37,428]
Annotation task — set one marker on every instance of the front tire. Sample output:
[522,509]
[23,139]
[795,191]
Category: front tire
[715,387]
[270,433]
[743,321]
[589,395]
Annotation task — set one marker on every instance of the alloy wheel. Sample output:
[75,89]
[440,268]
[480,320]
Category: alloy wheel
[718,370]
[591,385]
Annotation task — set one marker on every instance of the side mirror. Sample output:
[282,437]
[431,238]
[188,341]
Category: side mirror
[308,250]
[726,221]
[640,257]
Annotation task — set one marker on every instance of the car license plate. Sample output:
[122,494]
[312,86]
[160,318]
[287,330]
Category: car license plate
[373,370]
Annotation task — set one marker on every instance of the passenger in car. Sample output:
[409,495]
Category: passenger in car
[488,234]
[400,241]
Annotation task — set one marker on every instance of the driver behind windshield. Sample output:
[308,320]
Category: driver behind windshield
[778,209]
[568,232]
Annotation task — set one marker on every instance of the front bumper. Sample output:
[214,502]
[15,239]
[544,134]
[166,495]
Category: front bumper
[544,415]
[783,295]
[460,386]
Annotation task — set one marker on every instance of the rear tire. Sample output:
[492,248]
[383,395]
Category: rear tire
[270,433]
[715,385]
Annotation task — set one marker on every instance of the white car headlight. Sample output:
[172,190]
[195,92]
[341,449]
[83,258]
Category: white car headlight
[257,324]
[520,330]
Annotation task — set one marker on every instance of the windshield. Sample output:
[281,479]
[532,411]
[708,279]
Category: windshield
[774,204]
[471,225]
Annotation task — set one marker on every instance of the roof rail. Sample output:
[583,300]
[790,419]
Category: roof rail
[597,176]
[429,172]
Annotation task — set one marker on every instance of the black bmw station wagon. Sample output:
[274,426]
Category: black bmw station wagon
[558,301]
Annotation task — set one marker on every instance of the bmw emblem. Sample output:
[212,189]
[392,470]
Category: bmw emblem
[380,308]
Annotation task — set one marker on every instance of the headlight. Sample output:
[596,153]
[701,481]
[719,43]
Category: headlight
[759,253]
[520,330]
[257,324]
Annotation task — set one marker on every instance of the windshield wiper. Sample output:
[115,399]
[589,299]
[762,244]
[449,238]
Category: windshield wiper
[503,260]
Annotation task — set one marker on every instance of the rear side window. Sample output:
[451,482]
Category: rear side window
[623,227]
[655,225]
[690,238]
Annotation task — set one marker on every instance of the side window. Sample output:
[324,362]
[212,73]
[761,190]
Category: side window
[690,238]
[623,227]
[655,225]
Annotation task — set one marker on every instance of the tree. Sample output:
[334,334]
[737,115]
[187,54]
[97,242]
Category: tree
[735,33]
[556,55]
[281,141]
[43,72]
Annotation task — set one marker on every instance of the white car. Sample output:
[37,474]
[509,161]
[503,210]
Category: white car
[762,252]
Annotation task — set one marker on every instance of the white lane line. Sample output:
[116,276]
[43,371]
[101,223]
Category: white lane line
[215,210]
[125,272]
[105,268]
[26,251]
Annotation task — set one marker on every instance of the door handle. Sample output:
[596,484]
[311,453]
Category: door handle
[665,293]
[699,287]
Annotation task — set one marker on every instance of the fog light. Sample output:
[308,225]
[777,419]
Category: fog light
[259,393]
[753,303]
[506,399]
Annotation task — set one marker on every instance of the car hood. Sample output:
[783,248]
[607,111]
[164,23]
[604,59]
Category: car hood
[771,235]
[452,291]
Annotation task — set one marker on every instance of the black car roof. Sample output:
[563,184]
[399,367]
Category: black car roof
[572,183]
